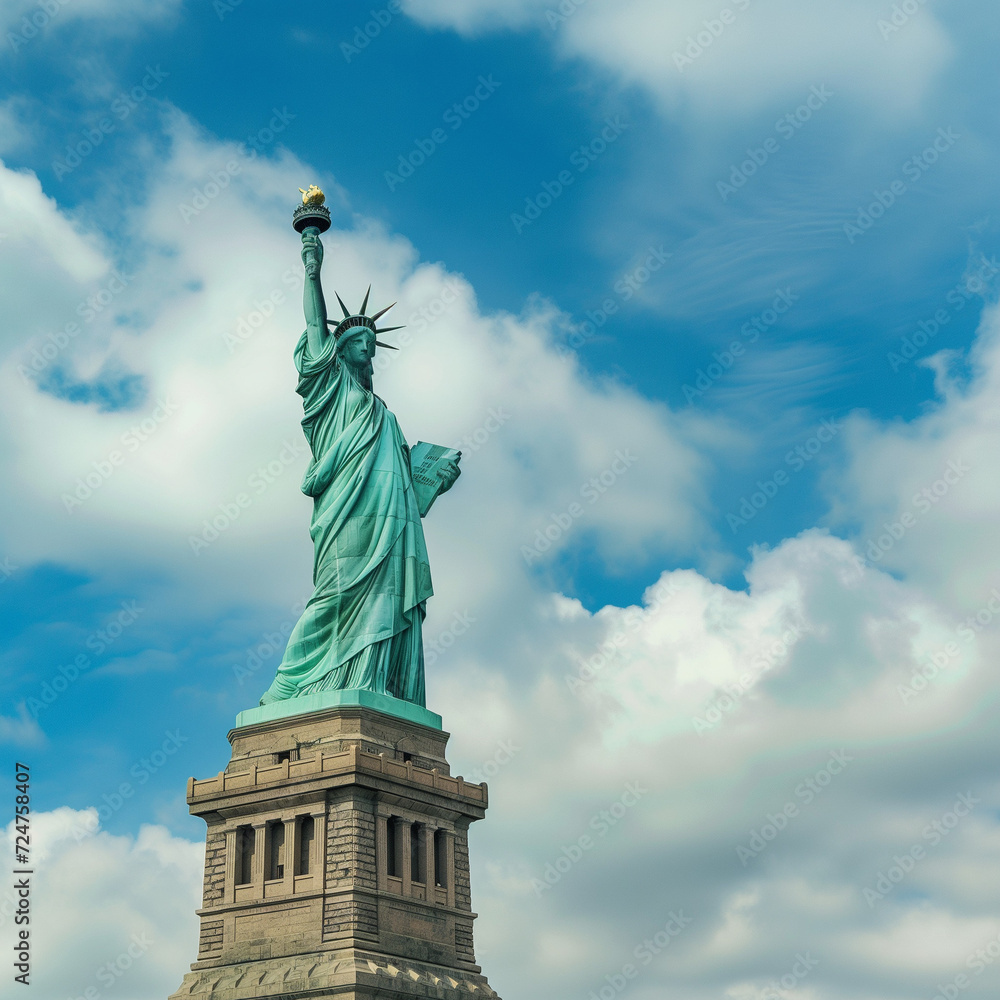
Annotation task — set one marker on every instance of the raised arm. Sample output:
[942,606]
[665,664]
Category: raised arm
[313,303]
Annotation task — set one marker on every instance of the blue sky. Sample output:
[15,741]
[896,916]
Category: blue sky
[754,253]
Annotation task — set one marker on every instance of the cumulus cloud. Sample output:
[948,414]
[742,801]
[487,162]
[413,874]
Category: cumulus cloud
[730,709]
[925,491]
[818,719]
[110,914]
[797,794]
[201,330]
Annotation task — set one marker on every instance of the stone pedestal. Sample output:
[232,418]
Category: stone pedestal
[336,864]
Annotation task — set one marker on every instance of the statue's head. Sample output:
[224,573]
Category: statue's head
[356,339]
[356,346]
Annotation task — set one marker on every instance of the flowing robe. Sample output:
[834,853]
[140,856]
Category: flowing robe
[362,625]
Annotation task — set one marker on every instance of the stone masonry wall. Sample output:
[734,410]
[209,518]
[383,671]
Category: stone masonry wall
[210,941]
[463,895]
[215,868]
[463,890]
[350,864]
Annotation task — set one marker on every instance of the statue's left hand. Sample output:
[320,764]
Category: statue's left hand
[448,473]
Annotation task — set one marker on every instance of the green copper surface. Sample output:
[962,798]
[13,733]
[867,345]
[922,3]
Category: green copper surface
[340,699]
[361,631]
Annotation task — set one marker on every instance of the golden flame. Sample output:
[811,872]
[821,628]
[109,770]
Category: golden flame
[312,196]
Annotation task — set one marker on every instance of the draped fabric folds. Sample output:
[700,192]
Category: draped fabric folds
[362,625]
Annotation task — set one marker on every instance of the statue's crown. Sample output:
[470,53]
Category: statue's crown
[352,320]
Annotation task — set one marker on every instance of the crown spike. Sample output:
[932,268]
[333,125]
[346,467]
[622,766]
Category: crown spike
[381,312]
[347,312]
[378,343]
[387,329]
[364,305]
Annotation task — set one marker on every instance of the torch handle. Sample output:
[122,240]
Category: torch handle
[311,260]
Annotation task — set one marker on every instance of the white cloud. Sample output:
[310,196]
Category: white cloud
[20,730]
[27,21]
[926,491]
[32,221]
[761,52]
[14,132]
[110,914]
[822,736]
[217,412]
[893,669]
[808,661]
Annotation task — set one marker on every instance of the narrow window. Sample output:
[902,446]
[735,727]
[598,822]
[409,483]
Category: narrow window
[245,842]
[440,858]
[276,850]
[393,854]
[307,832]
[418,867]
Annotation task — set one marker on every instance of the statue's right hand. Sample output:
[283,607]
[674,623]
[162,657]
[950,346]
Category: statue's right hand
[312,250]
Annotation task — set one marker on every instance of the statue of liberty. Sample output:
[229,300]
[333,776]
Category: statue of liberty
[362,627]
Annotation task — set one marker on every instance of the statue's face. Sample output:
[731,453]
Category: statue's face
[358,349]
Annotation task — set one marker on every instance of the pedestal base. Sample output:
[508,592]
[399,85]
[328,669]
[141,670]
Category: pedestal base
[353,975]
[307,703]
[336,861]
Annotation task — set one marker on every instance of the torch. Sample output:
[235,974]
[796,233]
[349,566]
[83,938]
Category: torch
[311,218]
